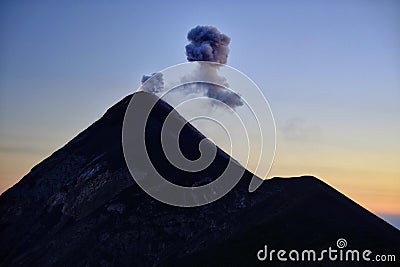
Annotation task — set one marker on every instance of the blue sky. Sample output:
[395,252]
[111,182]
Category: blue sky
[330,70]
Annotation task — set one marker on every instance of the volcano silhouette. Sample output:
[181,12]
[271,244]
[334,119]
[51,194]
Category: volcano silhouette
[81,207]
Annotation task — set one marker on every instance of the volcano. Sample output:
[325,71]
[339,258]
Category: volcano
[81,207]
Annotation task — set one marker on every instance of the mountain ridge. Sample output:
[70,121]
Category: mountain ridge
[80,206]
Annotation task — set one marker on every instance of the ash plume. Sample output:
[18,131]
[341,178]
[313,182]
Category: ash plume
[207,43]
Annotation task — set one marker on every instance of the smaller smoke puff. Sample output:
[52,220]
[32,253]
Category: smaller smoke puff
[207,44]
[154,85]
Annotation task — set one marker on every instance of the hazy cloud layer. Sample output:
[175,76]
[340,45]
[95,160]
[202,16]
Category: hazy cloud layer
[297,129]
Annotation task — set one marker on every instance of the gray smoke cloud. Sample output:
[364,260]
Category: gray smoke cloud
[207,43]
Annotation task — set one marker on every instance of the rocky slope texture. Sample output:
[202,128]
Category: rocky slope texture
[80,207]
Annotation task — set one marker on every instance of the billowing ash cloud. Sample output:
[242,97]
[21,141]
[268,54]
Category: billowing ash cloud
[207,44]
[154,85]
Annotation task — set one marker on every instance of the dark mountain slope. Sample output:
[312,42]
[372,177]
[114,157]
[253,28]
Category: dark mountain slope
[80,207]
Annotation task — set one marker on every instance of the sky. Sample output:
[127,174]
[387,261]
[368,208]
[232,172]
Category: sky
[329,69]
